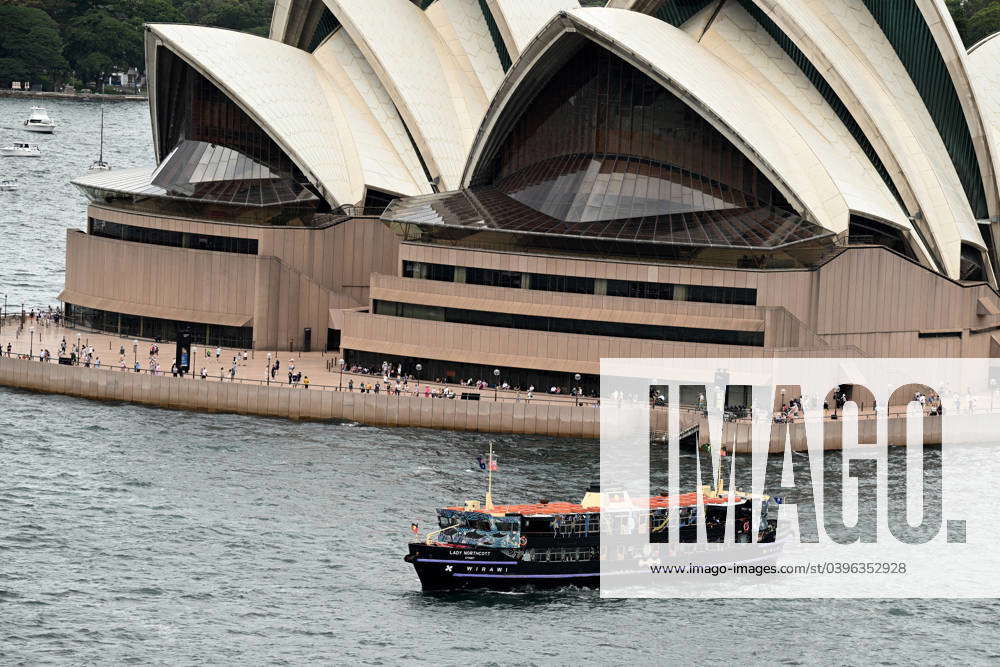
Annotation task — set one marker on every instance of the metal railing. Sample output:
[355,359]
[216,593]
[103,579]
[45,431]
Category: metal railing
[226,377]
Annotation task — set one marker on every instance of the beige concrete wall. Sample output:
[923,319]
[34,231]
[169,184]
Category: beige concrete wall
[339,258]
[280,401]
[158,281]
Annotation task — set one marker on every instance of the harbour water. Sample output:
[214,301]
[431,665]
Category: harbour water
[34,218]
[131,534]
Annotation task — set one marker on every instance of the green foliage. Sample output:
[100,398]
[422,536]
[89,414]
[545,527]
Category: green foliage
[30,45]
[52,40]
[975,19]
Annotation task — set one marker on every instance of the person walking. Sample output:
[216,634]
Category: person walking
[305,382]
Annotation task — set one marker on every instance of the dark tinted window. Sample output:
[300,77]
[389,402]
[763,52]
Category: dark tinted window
[564,325]
[134,234]
[492,277]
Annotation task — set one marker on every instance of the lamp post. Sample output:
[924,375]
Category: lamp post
[79,350]
[577,378]
[31,348]
[340,385]
[496,382]
[3,316]
[135,350]
[419,368]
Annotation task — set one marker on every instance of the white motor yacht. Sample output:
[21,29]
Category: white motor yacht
[18,149]
[8,184]
[39,121]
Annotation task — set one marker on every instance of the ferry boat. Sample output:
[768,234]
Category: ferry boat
[39,121]
[18,149]
[557,544]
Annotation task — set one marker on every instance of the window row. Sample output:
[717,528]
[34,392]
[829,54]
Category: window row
[635,289]
[570,326]
[165,237]
[155,328]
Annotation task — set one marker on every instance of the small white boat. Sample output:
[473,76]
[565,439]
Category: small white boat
[100,164]
[8,184]
[39,121]
[18,149]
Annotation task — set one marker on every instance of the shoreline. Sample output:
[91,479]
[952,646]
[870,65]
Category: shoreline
[85,97]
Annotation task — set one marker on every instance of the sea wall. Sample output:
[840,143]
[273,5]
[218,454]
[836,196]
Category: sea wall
[39,94]
[537,417]
[795,433]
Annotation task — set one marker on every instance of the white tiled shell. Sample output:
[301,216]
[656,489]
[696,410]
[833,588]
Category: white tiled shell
[952,51]
[388,159]
[461,25]
[844,41]
[439,102]
[716,91]
[283,89]
[984,69]
[520,20]
[736,38]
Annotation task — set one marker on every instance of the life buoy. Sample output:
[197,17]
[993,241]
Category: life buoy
[746,526]
[523,540]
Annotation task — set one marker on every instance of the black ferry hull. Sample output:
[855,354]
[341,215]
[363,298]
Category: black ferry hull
[443,567]
[447,567]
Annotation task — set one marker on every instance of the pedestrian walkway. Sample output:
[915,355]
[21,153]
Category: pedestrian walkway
[118,353]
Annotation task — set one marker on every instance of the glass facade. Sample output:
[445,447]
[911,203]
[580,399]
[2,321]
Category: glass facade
[453,372]
[863,231]
[972,267]
[904,25]
[212,151]
[634,289]
[677,12]
[153,236]
[571,326]
[594,157]
[603,141]
[326,25]
[495,35]
[137,326]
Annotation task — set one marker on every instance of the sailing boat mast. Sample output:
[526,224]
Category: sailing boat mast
[101,157]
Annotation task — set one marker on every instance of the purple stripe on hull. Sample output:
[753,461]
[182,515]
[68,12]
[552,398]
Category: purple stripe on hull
[529,576]
[468,562]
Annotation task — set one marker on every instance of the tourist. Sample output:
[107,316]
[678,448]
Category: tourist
[350,385]
[305,382]
[218,352]
[204,373]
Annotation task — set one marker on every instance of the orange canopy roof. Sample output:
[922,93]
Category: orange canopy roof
[654,502]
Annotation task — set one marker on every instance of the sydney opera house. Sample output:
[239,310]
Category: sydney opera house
[531,185]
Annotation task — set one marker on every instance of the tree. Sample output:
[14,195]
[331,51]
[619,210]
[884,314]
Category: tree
[33,50]
[975,19]
[984,23]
